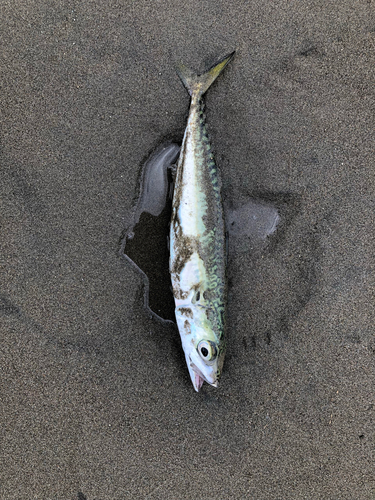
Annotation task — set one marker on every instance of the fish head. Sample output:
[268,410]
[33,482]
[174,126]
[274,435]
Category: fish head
[203,350]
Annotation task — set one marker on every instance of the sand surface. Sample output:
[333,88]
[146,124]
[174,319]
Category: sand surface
[95,398]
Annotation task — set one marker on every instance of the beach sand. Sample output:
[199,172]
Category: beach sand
[96,401]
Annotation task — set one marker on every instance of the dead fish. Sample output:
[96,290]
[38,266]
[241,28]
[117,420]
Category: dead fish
[197,241]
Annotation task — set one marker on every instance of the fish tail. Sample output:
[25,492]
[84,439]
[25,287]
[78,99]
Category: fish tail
[199,84]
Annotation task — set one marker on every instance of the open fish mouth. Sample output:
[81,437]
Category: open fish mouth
[199,377]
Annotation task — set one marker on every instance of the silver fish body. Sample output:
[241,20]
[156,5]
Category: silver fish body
[197,242]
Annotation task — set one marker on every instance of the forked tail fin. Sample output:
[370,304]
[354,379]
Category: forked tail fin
[199,84]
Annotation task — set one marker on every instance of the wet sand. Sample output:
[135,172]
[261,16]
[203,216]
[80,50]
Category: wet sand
[96,401]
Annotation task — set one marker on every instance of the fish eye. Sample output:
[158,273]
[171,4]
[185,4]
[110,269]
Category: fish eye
[207,350]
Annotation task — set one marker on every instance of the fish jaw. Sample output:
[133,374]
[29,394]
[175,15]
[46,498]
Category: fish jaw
[196,379]
[196,376]
[209,373]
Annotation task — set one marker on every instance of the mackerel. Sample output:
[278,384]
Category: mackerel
[197,241]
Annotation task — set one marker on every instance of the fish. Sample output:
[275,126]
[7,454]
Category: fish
[197,262]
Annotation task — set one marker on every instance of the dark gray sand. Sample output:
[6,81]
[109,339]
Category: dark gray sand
[96,401]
